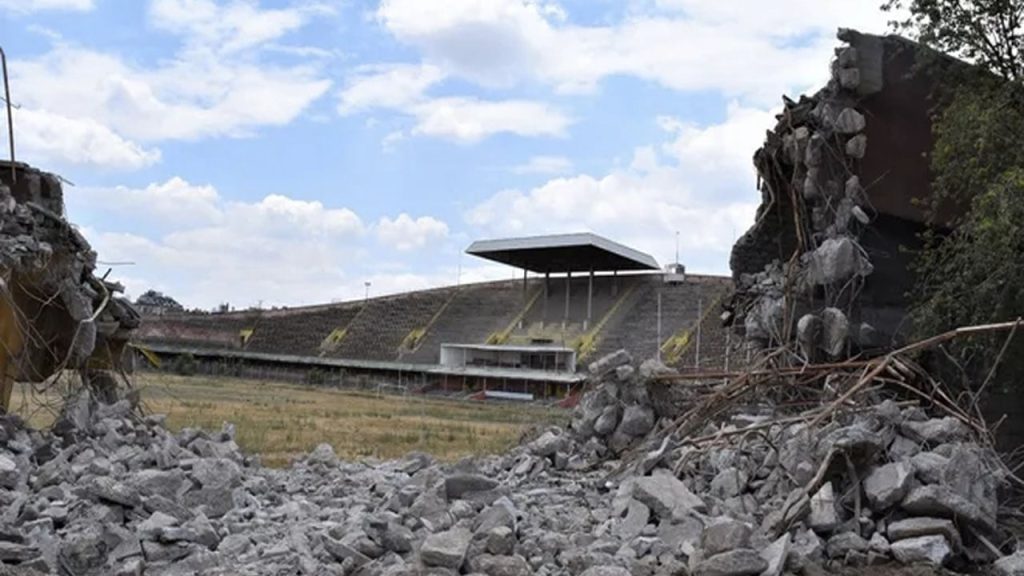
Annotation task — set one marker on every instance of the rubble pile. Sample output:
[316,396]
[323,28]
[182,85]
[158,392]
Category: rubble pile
[111,492]
[65,313]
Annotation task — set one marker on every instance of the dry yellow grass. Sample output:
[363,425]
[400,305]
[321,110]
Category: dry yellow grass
[279,420]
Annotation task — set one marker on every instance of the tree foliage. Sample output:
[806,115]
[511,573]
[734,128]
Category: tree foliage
[987,33]
[971,270]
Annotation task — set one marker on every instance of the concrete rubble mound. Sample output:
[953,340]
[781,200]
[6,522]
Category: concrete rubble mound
[109,491]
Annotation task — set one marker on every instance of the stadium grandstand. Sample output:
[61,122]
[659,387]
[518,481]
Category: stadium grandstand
[587,296]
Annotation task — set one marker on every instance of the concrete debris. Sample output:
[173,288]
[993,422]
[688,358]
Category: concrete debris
[74,312]
[154,502]
[932,549]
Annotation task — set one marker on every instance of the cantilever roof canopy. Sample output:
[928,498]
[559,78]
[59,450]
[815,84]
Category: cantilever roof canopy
[581,252]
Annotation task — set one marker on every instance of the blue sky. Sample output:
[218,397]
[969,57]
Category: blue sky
[287,151]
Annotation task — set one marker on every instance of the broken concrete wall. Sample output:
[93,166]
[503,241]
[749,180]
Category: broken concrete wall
[827,262]
[62,313]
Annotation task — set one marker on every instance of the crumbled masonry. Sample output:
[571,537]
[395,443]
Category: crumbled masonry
[116,493]
[65,313]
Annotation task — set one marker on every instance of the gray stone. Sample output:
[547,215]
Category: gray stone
[446,549]
[637,420]
[808,333]
[887,485]
[608,420]
[500,565]
[843,543]
[216,473]
[849,78]
[725,534]
[605,571]
[1012,565]
[458,485]
[110,490]
[214,502]
[806,549]
[729,483]
[857,147]
[741,562]
[923,526]
[970,475]
[548,444]
[682,537]
[624,373]
[150,528]
[165,483]
[935,431]
[837,260]
[836,331]
[323,455]
[16,553]
[850,121]
[929,466]
[343,552]
[637,517]
[823,517]
[501,541]
[9,475]
[666,496]
[234,545]
[157,552]
[929,549]
[941,501]
[775,554]
[610,362]
[398,538]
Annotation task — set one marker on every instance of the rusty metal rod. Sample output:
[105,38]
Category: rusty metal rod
[10,116]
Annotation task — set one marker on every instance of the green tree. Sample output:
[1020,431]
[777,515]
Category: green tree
[971,270]
[987,33]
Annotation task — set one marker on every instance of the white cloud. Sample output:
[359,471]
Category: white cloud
[403,87]
[395,86]
[45,138]
[186,98]
[544,165]
[228,26]
[216,84]
[27,6]
[279,249]
[471,119]
[175,202]
[745,48]
[405,233]
[699,182]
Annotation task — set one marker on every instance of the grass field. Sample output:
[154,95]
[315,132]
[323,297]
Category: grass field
[279,420]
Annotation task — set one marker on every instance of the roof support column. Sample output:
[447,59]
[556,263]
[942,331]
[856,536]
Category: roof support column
[615,283]
[547,281]
[568,285]
[590,300]
[524,300]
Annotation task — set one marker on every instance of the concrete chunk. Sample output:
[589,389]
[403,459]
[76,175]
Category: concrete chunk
[741,562]
[775,554]
[725,534]
[929,549]
[935,500]
[667,496]
[888,484]
[914,527]
[446,549]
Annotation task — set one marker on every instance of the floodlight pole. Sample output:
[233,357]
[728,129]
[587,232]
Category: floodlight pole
[10,116]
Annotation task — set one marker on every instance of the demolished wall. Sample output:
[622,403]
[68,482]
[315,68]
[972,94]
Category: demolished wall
[55,311]
[827,262]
